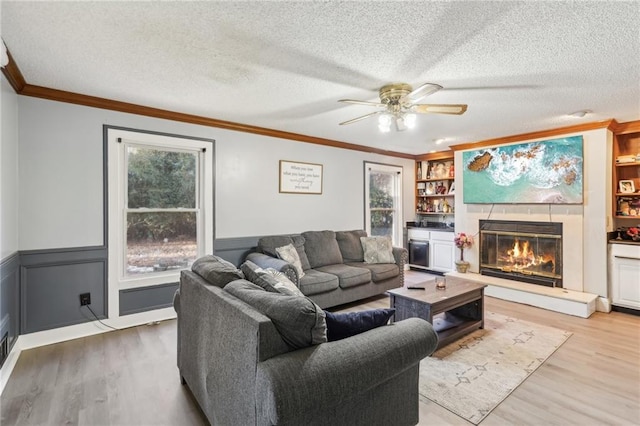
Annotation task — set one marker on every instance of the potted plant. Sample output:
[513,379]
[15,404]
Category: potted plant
[462,241]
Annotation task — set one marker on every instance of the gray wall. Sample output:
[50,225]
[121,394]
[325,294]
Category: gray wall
[9,259]
[8,171]
[61,203]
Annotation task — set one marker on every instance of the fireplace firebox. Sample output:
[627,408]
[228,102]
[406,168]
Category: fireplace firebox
[523,251]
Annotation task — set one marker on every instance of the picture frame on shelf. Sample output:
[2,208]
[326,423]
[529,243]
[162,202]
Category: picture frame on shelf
[452,188]
[441,187]
[626,187]
[431,189]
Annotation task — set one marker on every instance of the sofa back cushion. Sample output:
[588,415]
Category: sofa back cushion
[350,245]
[300,322]
[321,248]
[268,245]
[216,271]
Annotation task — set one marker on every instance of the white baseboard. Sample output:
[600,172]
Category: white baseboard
[56,335]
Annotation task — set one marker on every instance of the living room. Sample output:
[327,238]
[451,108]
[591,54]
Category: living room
[54,210]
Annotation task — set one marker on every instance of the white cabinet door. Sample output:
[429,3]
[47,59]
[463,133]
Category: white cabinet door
[442,251]
[625,276]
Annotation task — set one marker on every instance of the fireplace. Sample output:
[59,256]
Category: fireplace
[523,251]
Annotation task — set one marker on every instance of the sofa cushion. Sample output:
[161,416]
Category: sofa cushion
[299,321]
[216,270]
[289,254]
[315,282]
[377,249]
[348,276]
[268,245]
[255,274]
[350,245]
[379,271]
[321,248]
[347,324]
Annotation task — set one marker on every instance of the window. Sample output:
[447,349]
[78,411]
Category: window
[160,207]
[383,201]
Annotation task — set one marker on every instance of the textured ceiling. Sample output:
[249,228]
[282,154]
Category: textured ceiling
[520,66]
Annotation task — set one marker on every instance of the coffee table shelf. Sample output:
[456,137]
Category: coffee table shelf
[454,312]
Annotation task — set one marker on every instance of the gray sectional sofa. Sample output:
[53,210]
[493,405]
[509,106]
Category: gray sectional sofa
[333,265]
[242,370]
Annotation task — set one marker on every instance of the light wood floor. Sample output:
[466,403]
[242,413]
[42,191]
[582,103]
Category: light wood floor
[129,377]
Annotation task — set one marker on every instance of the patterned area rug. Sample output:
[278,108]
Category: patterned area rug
[471,376]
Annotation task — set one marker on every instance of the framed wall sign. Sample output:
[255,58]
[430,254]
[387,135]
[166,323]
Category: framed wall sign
[300,178]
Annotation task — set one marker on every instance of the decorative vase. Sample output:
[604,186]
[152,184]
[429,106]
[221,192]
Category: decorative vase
[462,266]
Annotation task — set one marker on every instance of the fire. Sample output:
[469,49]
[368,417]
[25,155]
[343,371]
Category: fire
[522,256]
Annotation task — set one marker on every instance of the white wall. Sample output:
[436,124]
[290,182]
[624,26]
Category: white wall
[8,171]
[61,194]
[584,226]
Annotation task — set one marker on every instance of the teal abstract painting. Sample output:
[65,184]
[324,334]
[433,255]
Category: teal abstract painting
[548,172]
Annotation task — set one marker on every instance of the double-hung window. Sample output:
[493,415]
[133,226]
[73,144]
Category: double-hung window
[383,201]
[160,206]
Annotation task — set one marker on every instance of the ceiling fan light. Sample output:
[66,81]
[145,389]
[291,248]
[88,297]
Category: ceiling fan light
[384,123]
[410,121]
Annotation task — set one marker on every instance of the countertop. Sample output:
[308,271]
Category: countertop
[431,226]
[625,242]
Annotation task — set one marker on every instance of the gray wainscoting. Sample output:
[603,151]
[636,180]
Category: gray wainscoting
[135,300]
[235,250]
[51,282]
[9,304]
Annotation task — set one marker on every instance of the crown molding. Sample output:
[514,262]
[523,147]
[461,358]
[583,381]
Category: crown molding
[13,75]
[21,87]
[607,124]
[15,78]
[628,127]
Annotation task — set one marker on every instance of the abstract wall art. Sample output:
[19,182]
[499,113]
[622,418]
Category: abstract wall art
[547,172]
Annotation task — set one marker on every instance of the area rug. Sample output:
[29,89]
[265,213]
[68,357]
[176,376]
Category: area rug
[473,375]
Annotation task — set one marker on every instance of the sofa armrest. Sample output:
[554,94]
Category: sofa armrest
[401,256]
[319,377]
[265,261]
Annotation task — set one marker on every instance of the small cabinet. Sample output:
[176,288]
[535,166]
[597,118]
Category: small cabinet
[624,279]
[443,251]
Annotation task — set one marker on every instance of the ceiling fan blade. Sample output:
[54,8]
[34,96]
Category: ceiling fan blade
[352,101]
[455,109]
[419,93]
[353,120]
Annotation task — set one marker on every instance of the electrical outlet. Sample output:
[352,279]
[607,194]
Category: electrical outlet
[85,299]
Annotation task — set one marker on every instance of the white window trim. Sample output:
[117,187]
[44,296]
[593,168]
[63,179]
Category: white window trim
[117,140]
[398,226]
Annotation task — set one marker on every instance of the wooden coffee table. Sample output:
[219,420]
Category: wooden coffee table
[453,312]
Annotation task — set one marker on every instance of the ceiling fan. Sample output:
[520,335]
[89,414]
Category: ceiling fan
[399,103]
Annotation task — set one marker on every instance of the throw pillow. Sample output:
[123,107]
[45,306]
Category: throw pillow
[343,325]
[289,254]
[216,270]
[256,275]
[377,250]
[300,322]
[284,285]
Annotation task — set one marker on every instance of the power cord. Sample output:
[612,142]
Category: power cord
[98,319]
